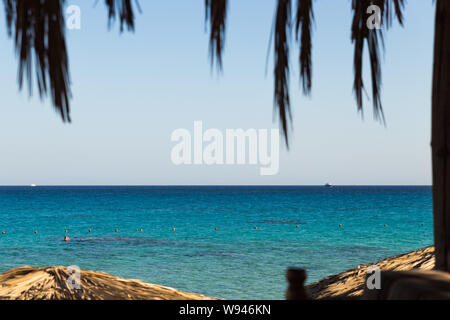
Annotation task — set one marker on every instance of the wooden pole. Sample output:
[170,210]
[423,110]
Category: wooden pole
[440,136]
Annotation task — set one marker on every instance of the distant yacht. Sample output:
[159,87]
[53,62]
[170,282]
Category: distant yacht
[328,185]
[33,185]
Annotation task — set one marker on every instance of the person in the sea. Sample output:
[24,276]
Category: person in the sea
[66,239]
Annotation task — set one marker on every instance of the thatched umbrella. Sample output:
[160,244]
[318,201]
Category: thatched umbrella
[38,31]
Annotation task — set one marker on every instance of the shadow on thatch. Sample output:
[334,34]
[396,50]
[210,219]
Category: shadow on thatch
[351,284]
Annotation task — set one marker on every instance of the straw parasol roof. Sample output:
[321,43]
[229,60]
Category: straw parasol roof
[53,283]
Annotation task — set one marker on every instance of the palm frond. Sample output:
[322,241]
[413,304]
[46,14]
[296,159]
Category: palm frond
[124,10]
[39,34]
[398,6]
[281,69]
[374,39]
[10,10]
[216,15]
[304,20]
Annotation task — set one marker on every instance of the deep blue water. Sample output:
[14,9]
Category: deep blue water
[236,261]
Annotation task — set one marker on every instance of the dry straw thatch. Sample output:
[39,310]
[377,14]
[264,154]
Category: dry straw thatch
[30,283]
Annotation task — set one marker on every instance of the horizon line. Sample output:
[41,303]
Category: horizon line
[218,185]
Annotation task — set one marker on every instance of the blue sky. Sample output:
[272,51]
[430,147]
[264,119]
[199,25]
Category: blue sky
[131,91]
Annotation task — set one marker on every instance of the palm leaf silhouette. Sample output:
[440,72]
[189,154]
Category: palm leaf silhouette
[372,37]
[38,31]
[216,15]
[122,9]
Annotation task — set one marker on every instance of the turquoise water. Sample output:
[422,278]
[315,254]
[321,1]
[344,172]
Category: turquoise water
[236,261]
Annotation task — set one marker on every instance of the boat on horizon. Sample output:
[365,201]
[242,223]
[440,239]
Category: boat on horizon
[328,185]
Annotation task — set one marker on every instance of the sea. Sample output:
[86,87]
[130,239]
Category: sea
[231,242]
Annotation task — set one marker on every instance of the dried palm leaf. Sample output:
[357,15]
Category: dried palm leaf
[123,9]
[216,15]
[39,33]
[303,29]
[281,69]
[361,34]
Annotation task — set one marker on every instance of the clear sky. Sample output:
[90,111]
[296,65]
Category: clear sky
[131,91]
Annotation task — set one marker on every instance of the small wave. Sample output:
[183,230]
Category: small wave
[281,221]
[211,254]
[125,241]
